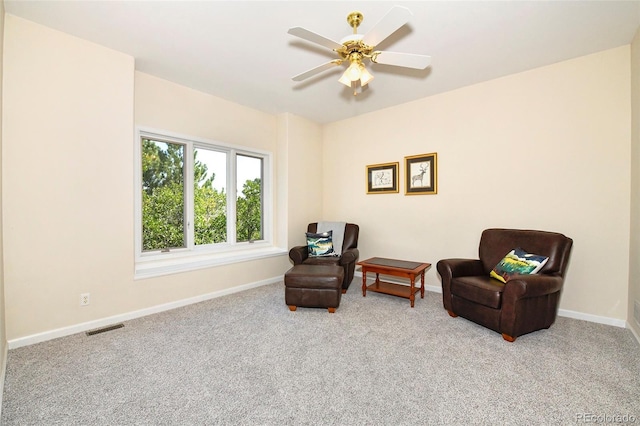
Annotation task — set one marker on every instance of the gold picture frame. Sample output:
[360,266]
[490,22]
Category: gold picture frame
[382,178]
[421,174]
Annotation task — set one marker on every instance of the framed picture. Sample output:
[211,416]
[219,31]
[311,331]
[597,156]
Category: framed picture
[382,178]
[421,174]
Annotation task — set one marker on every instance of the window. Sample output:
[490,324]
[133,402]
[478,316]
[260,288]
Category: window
[249,199]
[199,203]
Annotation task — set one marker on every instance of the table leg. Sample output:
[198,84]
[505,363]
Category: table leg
[422,285]
[364,283]
[412,296]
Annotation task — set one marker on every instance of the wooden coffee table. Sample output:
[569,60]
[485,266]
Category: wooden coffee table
[397,268]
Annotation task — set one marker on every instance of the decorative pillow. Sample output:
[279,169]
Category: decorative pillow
[320,244]
[518,262]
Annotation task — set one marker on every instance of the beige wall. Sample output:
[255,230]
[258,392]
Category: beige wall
[303,156]
[634,253]
[168,106]
[68,180]
[545,149]
[3,332]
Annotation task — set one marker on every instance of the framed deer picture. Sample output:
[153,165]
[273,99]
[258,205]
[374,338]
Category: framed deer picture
[382,178]
[421,174]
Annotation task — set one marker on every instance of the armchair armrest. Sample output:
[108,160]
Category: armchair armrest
[524,286]
[526,304]
[349,256]
[449,268]
[298,254]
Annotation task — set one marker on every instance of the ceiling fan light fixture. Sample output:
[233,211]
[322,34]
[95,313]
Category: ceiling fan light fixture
[365,76]
[354,71]
[345,79]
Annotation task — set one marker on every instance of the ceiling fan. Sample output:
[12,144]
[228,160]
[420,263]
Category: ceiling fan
[355,48]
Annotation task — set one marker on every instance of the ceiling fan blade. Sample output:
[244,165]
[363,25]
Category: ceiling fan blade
[314,38]
[394,19]
[408,60]
[316,70]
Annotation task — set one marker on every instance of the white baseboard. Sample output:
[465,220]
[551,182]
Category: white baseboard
[103,322]
[633,332]
[561,312]
[433,288]
[592,318]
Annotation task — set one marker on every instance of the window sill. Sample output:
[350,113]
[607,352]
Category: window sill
[174,263]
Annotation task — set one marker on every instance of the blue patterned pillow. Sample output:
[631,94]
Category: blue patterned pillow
[320,244]
[518,262]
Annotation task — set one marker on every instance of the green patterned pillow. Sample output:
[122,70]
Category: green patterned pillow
[320,244]
[518,262]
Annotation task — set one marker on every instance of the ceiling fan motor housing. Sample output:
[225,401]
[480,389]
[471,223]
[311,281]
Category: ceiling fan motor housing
[353,44]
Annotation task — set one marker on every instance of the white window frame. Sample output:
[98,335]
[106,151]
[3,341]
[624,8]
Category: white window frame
[192,257]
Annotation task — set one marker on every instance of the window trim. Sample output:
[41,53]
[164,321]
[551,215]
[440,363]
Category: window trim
[192,257]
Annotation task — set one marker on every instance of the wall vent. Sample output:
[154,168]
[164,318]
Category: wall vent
[103,329]
[636,311]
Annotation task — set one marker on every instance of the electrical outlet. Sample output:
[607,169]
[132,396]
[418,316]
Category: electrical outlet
[85,298]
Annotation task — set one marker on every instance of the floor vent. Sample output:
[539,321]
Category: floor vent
[103,329]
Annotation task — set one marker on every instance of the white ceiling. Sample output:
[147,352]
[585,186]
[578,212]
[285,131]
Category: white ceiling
[240,50]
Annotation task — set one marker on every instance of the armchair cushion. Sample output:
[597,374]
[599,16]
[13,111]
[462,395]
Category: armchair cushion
[518,262]
[479,289]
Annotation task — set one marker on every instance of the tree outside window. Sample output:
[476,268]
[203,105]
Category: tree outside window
[163,224]
[249,201]
[167,210]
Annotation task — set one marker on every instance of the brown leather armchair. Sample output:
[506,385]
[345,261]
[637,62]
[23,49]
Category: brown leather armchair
[300,254]
[525,303]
